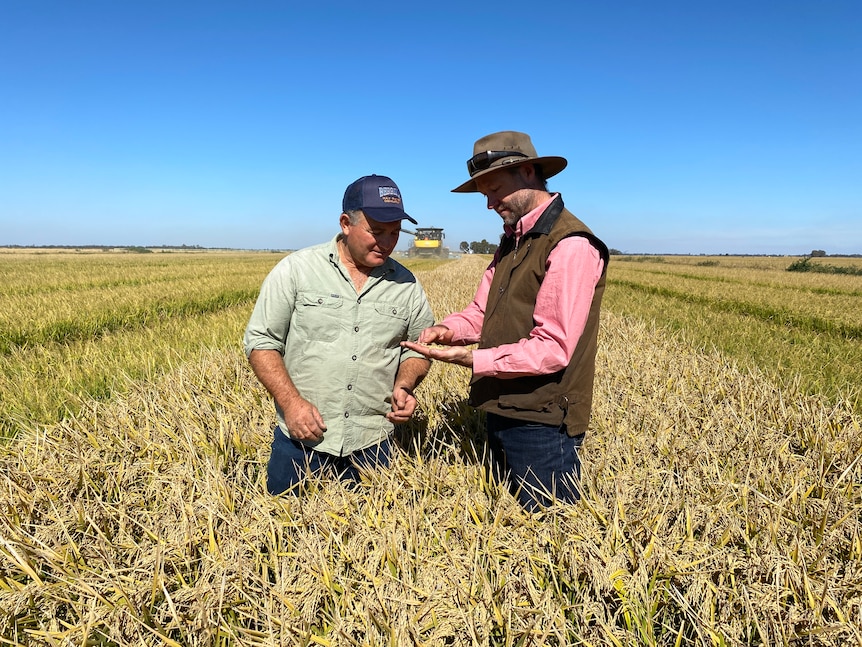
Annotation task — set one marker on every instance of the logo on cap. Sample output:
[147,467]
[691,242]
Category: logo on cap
[389,194]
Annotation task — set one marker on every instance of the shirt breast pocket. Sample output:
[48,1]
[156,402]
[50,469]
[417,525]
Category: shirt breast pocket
[389,324]
[318,317]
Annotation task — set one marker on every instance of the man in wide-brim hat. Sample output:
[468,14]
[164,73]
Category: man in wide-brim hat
[506,149]
[535,318]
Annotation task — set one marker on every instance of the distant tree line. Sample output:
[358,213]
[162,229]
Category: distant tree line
[815,253]
[804,264]
[478,247]
[131,248]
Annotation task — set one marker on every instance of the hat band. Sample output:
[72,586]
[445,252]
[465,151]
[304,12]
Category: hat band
[482,161]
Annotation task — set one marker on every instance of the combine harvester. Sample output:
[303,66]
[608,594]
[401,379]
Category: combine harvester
[427,241]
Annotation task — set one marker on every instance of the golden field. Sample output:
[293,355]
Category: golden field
[722,480]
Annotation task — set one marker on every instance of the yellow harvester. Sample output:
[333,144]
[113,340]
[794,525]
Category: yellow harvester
[427,241]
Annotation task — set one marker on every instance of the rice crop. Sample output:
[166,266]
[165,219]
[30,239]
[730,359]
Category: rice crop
[76,326]
[795,327]
[721,506]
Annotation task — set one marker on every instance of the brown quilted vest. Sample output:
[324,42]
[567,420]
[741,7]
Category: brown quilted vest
[562,397]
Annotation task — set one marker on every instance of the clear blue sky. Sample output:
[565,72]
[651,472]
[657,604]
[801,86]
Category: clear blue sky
[690,127]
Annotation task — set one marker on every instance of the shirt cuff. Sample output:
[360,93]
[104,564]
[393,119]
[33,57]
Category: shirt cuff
[483,362]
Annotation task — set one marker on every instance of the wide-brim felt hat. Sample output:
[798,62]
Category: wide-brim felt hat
[506,149]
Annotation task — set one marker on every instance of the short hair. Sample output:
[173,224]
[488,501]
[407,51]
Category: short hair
[540,176]
[353,215]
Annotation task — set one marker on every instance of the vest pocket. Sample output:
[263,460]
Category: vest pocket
[525,402]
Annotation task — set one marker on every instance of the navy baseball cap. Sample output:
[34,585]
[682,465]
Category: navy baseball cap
[378,197]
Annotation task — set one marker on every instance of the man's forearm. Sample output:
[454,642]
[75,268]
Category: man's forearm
[269,368]
[301,418]
[411,372]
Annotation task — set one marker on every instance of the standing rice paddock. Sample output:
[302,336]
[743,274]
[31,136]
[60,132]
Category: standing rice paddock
[721,506]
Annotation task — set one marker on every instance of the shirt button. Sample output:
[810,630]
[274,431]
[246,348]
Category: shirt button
[394,311]
[353,358]
[346,414]
[320,300]
[355,328]
[349,387]
[359,301]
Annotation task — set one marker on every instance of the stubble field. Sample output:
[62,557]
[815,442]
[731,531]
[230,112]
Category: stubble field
[722,479]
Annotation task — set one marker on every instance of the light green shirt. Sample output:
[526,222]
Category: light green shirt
[340,348]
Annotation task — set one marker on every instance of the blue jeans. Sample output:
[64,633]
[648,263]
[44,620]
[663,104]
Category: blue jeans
[290,461]
[538,462]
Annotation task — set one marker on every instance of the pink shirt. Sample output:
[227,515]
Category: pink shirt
[573,268]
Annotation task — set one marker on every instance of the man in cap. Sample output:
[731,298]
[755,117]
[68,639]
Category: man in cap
[535,318]
[324,339]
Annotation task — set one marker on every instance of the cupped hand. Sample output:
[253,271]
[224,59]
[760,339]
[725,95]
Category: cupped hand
[304,421]
[452,354]
[403,405]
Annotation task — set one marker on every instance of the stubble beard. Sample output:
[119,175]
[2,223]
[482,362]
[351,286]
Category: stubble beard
[516,207]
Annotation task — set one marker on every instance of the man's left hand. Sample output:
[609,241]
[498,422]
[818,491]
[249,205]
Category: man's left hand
[403,405]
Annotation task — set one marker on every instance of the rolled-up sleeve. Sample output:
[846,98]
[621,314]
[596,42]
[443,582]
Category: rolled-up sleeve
[421,318]
[269,323]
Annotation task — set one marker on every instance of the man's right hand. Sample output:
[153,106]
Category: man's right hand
[304,421]
[438,334]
